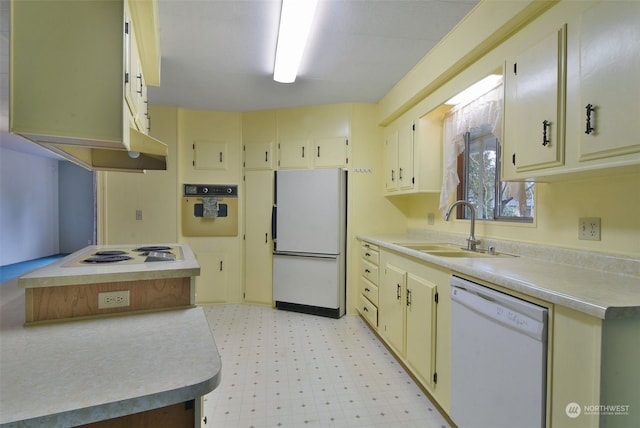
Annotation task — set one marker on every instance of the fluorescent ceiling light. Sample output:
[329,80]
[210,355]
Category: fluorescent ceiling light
[476,90]
[295,22]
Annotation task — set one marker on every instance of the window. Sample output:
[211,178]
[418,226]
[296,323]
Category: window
[479,172]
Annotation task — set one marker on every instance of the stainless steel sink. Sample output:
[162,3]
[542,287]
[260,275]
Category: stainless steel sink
[446,249]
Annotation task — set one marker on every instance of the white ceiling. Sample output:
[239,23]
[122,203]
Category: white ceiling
[219,54]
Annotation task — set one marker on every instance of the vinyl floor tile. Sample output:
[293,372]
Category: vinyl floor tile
[291,370]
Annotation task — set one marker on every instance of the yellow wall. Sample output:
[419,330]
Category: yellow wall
[615,199]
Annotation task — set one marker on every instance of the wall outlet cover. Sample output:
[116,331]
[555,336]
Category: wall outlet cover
[589,228]
[113,299]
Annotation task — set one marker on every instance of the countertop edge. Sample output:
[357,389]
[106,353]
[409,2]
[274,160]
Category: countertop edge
[503,279]
[116,409]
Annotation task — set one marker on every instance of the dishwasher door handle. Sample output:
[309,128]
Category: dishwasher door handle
[499,313]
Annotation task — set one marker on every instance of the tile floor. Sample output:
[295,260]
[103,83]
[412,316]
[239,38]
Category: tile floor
[285,369]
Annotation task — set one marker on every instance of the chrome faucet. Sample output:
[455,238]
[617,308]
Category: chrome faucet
[472,242]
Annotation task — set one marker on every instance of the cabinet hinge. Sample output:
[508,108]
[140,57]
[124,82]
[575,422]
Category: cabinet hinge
[515,68]
[435,377]
[126,28]
[435,298]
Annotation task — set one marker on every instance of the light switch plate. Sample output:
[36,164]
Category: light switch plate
[589,228]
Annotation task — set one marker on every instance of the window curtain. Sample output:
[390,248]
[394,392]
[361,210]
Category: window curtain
[486,109]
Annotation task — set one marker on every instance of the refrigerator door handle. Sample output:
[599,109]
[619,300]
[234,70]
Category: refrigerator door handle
[274,222]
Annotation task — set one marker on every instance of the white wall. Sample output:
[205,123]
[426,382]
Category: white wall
[28,207]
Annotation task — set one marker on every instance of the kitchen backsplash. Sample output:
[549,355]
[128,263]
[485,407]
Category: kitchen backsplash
[620,265]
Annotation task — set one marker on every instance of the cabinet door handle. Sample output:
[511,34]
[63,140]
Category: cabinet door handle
[139,77]
[220,265]
[266,239]
[590,109]
[266,157]
[220,157]
[408,297]
[302,151]
[367,271]
[545,139]
[367,254]
[365,309]
[398,292]
[393,175]
[149,123]
[367,290]
[400,174]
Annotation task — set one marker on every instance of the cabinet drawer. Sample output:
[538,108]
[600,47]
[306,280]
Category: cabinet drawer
[370,271]
[369,253]
[369,290]
[368,311]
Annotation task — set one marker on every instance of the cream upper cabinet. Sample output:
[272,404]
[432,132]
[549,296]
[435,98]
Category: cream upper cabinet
[314,137]
[413,153]
[211,155]
[534,105]
[258,156]
[294,153]
[399,157]
[331,152]
[74,88]
[609,73]
[135,88]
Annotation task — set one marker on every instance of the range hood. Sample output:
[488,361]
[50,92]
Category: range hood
[144,152]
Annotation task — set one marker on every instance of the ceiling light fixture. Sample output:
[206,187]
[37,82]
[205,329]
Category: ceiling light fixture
[474,91]
[296,18]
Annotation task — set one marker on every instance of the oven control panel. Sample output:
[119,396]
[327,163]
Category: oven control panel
[229,191]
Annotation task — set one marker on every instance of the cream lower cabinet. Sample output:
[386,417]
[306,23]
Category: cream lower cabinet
[368,283]
[212,284]
[258,240]
[410,320]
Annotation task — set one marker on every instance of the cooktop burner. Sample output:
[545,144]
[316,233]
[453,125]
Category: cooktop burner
[106,258]
[110,253]
[153,248]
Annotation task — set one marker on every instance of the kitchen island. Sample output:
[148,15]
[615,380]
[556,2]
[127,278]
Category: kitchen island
[82,371]
[78,285]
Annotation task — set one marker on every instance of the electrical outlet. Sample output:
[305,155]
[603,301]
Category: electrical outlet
[138,214]
[113,299]
[589,228]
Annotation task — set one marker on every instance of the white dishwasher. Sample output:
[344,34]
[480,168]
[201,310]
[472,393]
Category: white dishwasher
[498,358]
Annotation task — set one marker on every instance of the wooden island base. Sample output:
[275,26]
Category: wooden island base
[74,301]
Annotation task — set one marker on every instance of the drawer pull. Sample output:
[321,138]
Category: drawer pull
[367,290]
[408,297]
[367,271]
[365,309]
[398,292]
[367,254]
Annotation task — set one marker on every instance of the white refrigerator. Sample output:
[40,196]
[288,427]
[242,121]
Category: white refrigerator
[309,235]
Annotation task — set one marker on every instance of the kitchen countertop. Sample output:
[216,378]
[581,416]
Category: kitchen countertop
[79,372]
[601,294]
[63,272]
